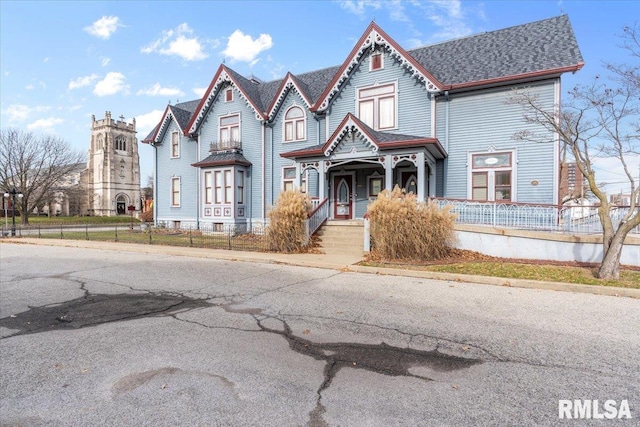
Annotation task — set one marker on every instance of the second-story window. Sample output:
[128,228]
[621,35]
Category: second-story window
[228,95]
[377,106]
[294,129]
[175,144]
[230,129]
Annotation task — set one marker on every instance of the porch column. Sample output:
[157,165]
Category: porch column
[432,180]
[388,173]
[298,183]
[322,182]
[421,177]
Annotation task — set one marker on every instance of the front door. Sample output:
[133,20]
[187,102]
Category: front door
[342,196]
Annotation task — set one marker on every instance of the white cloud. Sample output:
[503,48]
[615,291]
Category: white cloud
[199,91]
[104,61]
[16,113]
[177,42]
[111,84]
[157,90]
[104,27]
[46,59]
[146,122]
[45,124]
[241,47]
[359,7]
[82,81]
[29,87]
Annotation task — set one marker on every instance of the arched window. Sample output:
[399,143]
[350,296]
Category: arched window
[121,143]
[122,168]
[294,128]
[100,142]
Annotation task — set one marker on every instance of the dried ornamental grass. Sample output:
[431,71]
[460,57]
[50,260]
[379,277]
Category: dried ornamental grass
[287,230]
[402,228]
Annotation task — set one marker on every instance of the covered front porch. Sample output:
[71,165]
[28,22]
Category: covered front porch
[356,163]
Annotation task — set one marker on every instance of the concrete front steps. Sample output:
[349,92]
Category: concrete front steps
[342,237]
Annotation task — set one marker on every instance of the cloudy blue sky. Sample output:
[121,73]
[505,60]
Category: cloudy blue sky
[61,62]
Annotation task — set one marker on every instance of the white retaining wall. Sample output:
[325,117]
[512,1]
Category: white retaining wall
[508,243]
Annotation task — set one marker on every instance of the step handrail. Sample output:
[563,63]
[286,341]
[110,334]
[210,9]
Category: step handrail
[317,217]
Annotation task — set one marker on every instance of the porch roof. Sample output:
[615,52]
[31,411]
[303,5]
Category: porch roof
[384,141]
[223,159]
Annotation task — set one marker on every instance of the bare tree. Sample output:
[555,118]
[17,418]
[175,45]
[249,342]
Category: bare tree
[34,165]
[599,121]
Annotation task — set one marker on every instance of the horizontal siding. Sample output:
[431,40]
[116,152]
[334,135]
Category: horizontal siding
[414,107]
[250,135]
[167,168]
[485,122]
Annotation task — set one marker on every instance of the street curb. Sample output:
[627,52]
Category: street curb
[293,260]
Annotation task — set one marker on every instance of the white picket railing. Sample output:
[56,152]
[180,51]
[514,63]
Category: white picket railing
[568,219]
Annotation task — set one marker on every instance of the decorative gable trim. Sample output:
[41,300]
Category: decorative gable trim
[375,36]
[349,126]
[222,76]
[287,84]
[164,125]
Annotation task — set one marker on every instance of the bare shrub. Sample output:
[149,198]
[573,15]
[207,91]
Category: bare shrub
[402,228]
[287,222]
[147,216]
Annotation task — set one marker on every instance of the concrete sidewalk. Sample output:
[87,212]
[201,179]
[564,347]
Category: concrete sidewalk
[329,261]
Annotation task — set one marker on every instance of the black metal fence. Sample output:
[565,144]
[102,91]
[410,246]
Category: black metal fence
[204,237]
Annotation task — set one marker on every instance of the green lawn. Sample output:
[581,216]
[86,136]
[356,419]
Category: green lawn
[548,273]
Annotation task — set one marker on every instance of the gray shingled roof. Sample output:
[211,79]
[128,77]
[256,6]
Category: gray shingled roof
[223,158]
[537,46]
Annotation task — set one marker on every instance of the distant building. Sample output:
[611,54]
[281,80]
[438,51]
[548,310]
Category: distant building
[621,199]
[113,167]
[572,183]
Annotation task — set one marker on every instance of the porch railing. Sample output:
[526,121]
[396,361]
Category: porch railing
[541,217]
[318,215]
[224,146]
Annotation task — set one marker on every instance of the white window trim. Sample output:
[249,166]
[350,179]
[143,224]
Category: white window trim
[285,121]
[204,186]
[304,179]
[381,61]
[175,178]
[177,156]
[230,114]
[491,189]
[376,108]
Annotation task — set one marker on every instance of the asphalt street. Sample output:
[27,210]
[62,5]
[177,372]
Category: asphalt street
[94,337]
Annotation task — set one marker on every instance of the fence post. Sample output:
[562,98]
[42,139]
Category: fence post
[367,233]
[86,231]
[494,214]
[150,232]
[190,238]
[61,235]
[39,232]
[116,232]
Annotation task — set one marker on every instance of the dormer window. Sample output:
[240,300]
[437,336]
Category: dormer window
[228,95]
[294,128]
[376,62]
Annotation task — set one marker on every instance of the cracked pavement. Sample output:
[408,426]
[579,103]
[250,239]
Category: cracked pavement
[100,337]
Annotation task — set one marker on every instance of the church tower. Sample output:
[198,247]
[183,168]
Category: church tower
[113,167]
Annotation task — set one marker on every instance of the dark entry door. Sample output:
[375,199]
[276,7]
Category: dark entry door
[343,199]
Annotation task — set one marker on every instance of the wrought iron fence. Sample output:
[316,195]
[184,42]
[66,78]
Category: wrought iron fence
[204,237]
[568,219]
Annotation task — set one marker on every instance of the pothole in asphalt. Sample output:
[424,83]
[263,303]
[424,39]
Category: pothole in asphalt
[379,358]
[92,310]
